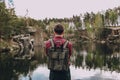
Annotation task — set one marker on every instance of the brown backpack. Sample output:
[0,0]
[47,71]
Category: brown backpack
[58,57]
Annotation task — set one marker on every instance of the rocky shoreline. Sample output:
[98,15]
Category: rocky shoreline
[9,47]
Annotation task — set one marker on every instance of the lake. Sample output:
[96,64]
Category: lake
[90,61]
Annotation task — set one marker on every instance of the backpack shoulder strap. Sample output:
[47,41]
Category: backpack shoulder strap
[65,44]
[52,43]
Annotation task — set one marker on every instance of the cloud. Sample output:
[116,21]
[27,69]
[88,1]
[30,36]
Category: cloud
[61,8]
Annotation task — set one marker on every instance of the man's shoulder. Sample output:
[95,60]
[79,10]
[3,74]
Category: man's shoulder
[47,43]
[69,43]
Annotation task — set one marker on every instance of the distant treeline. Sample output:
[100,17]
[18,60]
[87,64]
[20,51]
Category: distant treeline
[11,24]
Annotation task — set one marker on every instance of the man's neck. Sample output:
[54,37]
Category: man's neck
[58,35]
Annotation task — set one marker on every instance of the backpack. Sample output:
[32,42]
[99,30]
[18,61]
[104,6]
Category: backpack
[58,57]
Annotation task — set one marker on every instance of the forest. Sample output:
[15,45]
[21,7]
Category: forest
[89,26]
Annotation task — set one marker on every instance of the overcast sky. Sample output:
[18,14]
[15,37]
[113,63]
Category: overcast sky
[40,9]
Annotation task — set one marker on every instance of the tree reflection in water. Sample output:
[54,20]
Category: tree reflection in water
[103,56]
[90,56]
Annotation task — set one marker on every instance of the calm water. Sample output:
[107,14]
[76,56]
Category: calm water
[89,61]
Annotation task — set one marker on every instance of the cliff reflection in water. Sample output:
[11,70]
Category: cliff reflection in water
[11,69]
[86,56]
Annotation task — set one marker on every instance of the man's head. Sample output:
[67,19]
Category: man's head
[58,29]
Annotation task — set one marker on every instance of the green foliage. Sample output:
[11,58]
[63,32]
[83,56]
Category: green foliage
[113,16]
[87,18]
[41,24]
[12,25]
[98,20]
[98,25]
[3,44]
[4,21]
[4,15]
[78,24]
[18,25]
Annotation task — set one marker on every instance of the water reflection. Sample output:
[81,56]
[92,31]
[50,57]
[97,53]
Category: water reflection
[12,68]
[90,61]
[102,56]
[86,74]
[41,73]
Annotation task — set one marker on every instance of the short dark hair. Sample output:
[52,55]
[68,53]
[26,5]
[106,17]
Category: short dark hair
[58,29]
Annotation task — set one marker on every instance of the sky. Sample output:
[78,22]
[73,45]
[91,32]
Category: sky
[40,9]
